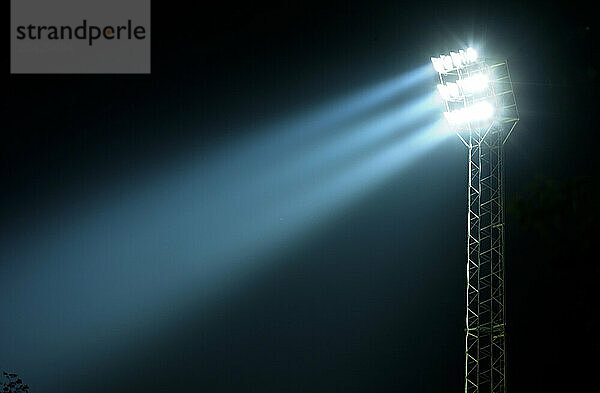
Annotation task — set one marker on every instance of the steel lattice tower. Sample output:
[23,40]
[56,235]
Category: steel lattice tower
[485,349]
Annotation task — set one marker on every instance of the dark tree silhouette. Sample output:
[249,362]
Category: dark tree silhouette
[11,383]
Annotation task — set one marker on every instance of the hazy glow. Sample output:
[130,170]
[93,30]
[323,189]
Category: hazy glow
[438,64]
[449,91]
[459,59]
[474,83]
[366,174]
[314,121]
[447,62]
[357,137]
[110,273]
[472,55]
[444,93]
[476,112]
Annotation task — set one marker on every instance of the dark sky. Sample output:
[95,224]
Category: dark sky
[373,299]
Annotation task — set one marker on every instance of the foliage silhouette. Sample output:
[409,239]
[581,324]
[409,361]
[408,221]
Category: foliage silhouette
[11,383]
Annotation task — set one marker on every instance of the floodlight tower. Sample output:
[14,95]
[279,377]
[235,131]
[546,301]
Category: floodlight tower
[481,108]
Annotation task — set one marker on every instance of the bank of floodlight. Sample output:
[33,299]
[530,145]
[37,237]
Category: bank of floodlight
[466,86]
[454,60]
[474,83]
[449,91]
[474,113]
[469,85]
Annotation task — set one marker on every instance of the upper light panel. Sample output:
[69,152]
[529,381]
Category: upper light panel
[454,60]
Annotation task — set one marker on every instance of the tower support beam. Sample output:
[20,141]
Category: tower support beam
[480,104]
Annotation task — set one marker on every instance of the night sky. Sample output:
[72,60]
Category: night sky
[106,177]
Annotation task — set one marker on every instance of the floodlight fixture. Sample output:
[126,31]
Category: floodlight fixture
[448,64]
[480,106]
[458,58]
[449,91]
[438,64]
[454,60]
[471,55]
[476,112]
[474,83]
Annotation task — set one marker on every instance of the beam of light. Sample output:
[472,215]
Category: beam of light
[367,99]
[354,139]
[86,285]
[353,182]
[290,132]
[366,132]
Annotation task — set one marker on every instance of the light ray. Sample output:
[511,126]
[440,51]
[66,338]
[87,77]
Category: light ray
[102,270]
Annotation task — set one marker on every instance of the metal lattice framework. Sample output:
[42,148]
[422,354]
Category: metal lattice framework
[485,350]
